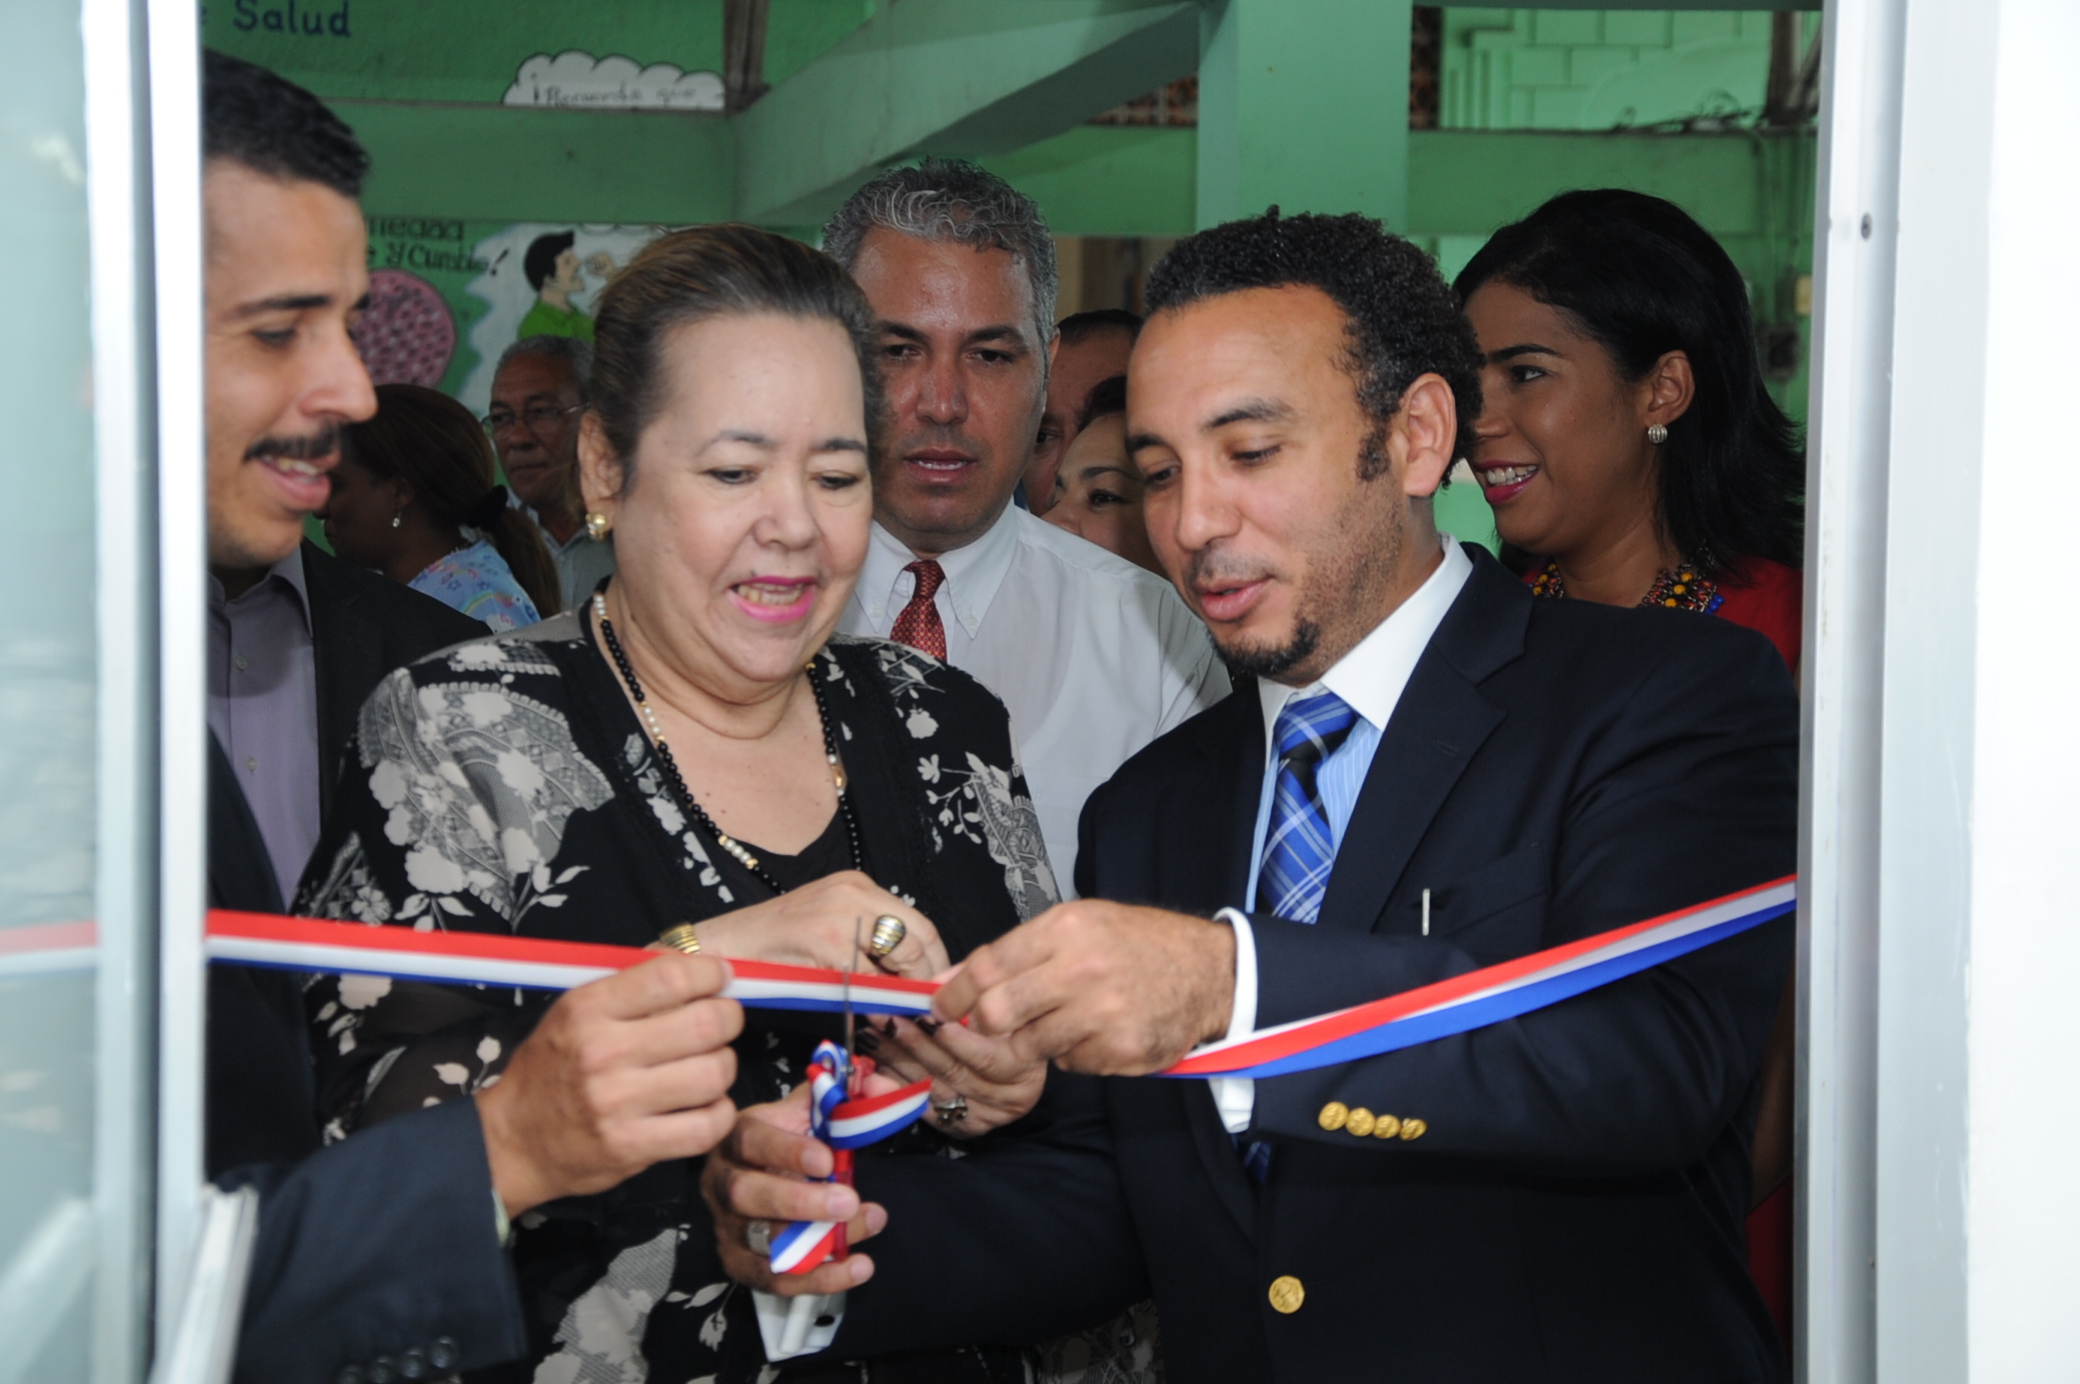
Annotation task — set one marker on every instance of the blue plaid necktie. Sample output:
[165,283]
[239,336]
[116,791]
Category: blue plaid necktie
[1299,848]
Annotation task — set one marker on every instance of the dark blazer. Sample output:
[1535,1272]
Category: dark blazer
[384,1244]
[1573,1210]
[261,1104]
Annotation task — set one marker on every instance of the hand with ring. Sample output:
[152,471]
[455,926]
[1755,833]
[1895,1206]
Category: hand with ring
[762,1176]
[978,1082]
[842,921]
[889,932]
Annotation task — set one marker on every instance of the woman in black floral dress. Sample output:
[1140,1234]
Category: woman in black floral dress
[604,775]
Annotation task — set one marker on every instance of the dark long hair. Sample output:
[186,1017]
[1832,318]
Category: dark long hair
[1641,278]
[422,436]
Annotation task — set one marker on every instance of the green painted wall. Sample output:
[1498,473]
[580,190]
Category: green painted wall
[1110,180]
[800,31]
[495,163]
[460,50]
[1279,80]
[1515,69]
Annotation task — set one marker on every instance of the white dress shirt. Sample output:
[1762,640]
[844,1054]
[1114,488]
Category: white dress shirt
[1093,656]
[1370,680]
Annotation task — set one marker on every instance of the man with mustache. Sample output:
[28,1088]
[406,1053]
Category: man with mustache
[379,1258]
[1093,656]
[1434,774]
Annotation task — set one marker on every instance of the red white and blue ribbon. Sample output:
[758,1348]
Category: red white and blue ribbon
[1461,1004]
[46,949]
[1489,995]
[870,1119]
[844,1124]
[311,944]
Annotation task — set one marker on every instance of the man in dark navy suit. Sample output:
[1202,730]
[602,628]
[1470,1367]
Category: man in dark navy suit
[1435,773]
[379,1258]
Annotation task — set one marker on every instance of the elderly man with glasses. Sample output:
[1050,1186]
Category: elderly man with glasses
[537,395]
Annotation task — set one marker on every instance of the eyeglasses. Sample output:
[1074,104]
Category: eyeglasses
[534,415]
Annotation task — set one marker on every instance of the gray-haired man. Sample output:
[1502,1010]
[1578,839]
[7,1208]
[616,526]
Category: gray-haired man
[541,386]
[1094,656]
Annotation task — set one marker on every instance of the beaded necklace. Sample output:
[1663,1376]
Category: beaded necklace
[677,781]
[1680,589]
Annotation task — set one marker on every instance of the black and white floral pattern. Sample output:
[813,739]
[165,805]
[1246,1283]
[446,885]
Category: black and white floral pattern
[506,785]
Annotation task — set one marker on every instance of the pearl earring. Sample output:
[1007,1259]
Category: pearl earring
[1657,433]
[397,520]
[596,525]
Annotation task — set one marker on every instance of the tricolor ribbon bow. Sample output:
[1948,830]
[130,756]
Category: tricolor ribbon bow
[845,1121]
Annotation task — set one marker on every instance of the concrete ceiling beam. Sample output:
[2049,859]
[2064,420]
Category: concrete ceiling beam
[973,78]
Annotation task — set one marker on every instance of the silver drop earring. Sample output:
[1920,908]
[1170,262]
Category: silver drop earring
[397,520]
[1657,433]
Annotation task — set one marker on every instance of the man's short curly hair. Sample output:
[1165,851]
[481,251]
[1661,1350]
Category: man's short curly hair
[1403,319]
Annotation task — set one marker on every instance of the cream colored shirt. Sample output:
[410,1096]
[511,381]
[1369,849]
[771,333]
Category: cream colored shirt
[1093,656]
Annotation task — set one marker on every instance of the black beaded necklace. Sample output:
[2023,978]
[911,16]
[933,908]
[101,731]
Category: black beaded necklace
[677,781]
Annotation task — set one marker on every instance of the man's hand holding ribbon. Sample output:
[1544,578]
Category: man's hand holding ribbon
[1101,988]
[622,1073]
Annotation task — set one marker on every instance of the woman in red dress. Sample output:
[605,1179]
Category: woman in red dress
[1628,445]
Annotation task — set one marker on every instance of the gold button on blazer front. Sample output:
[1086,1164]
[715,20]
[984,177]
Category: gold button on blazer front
[1360,1123]
[1287,1293]
[1333,1115]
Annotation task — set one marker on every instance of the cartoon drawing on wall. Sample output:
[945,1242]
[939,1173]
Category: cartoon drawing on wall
[406,335]
[577,78]
[554,273]
[540,280]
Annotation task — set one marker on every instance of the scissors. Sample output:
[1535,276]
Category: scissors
[803,1310]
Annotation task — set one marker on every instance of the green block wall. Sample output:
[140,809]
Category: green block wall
[1511,69]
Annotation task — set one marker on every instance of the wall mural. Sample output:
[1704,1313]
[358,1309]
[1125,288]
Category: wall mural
[540,279]
[578,79]
[447,296]
[407,334]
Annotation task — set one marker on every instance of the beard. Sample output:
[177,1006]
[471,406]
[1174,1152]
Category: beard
[1337,601]
[1267,664]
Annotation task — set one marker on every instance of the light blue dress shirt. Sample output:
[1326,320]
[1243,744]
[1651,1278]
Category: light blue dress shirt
[1370,679]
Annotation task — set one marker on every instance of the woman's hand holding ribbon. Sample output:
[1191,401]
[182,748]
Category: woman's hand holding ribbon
[769,1169]
[979,1078]
[819,924]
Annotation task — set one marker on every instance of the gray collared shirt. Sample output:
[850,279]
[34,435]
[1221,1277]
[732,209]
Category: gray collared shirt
[263,709]
[580,561]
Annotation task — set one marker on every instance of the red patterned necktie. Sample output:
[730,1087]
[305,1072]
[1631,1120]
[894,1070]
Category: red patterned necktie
[918,625]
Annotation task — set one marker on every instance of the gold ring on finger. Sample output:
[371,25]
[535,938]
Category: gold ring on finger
[889,932]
